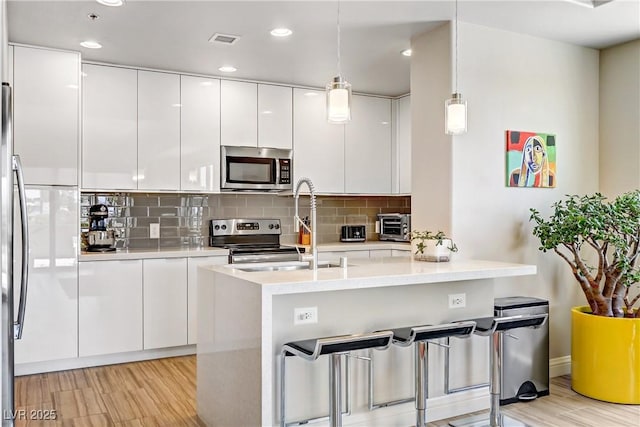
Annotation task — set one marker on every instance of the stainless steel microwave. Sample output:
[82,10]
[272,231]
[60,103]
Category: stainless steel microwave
[255,168]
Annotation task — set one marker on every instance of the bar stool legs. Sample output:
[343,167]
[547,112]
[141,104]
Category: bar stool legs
[335,347]
[335,390]
[421,382]
[420,337]
[495,360]
[495,328]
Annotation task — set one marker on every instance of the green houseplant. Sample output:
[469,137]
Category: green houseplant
[432,246]
[600,241]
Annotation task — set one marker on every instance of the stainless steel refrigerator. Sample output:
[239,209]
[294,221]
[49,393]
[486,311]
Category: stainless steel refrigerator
[10,173]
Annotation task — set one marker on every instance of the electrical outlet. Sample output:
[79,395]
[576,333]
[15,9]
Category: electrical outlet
[305,315]
[154,230]
[457,300]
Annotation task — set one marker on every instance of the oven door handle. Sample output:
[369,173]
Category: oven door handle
[246,258]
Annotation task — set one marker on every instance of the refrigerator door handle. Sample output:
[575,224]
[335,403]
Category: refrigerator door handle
[24,278]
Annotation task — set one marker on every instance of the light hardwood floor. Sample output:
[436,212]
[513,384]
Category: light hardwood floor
[163,393]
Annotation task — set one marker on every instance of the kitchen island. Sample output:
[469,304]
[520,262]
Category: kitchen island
[244,317]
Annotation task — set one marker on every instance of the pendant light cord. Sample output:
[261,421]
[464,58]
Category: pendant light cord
[339,65]
[456,83]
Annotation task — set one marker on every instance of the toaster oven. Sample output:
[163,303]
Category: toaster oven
[353,233]
[395,227]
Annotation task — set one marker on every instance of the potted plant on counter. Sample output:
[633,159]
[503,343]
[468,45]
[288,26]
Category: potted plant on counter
[600,242]
[436,247]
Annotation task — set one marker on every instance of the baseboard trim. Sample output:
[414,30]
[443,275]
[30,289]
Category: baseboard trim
[559,366]
[438,408]
[108,359]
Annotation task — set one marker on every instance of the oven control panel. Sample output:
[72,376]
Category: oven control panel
[244,226]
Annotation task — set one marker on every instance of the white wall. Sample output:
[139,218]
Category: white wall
[620,119]
[511,82]
[431,161]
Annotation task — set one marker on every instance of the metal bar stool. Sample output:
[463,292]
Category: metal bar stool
[336,347]
[421,336]
[497,327]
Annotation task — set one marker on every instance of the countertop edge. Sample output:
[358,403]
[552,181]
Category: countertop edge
[364,275]
[208,251]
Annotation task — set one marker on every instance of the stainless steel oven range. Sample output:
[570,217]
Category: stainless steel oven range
[251,240]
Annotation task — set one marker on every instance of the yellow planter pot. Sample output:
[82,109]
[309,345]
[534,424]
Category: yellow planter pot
[605,357]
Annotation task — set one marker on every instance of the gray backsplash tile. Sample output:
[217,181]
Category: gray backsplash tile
[184,218]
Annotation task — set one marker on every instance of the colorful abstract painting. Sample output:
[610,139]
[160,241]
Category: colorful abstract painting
[531,159]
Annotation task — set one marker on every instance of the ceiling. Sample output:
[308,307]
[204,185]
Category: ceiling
[173,35]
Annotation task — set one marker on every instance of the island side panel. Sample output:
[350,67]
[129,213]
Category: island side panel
[365,310]
[229,350]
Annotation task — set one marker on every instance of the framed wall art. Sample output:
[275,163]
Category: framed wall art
[531,159]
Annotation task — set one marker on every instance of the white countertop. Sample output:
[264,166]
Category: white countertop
[128,254]
[125,254]
[372,273]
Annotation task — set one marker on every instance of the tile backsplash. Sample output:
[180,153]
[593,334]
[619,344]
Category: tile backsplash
[184,218]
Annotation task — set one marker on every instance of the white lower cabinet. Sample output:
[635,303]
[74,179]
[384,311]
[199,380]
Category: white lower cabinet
[336,255]
[192,292]
[398,252]
[165,302]
[51,325]
[380,253]
[110,307]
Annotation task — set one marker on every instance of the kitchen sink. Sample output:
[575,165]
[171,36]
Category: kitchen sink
[286,267]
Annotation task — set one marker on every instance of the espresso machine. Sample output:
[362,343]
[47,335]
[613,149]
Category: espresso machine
[99,238]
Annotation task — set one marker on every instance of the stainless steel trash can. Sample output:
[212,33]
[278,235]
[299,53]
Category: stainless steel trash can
[525,352]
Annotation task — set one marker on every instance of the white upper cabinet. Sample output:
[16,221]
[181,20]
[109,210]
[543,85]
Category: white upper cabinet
[403,145]
[158,131]
[200,134]
[238,113]
[46,104]
[368,146]
[275,111]
[110,128]
[318,145]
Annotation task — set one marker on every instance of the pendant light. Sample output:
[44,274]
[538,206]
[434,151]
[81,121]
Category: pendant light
[338,92]
[455,108]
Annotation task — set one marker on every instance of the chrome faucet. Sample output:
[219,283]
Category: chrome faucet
[312,258]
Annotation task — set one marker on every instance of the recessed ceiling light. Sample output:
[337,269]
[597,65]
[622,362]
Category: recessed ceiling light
[89,44]
[227,69]
[310,94]
[267,112]
[406,52]
[281,32]
[176,105]
[112,3]
[206,84]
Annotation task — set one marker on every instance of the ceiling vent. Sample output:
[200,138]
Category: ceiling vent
[223,38]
